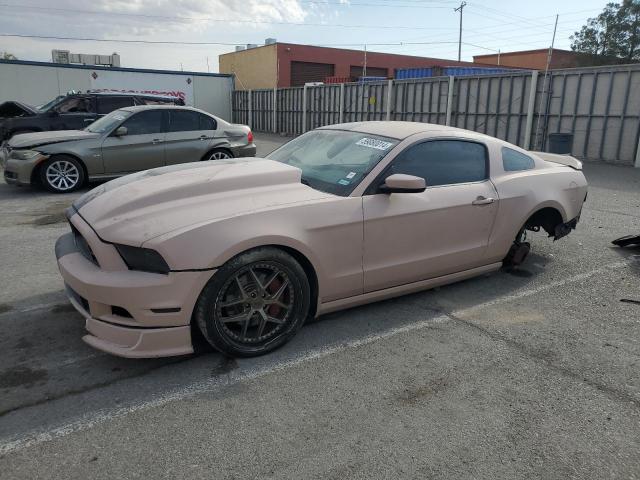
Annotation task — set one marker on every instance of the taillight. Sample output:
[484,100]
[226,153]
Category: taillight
[250,137]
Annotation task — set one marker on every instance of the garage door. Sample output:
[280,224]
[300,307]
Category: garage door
[303,72]
[356,72]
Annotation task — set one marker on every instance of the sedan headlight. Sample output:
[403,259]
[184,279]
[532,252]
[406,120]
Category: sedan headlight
[143,259]
[25,154]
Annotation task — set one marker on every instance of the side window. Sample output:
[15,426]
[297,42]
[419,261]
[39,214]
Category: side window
[75,105]
[444,162]
[109,104]
[144,123]
[514,161]
[184,121]
[207,122]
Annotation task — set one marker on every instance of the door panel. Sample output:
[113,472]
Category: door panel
[188,136]
[142,148]
[410,237]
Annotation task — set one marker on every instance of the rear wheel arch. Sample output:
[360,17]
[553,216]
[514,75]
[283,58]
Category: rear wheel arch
[547,218]
[207,156]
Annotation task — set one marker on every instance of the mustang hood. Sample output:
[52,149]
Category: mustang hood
[141,206]
[27,140]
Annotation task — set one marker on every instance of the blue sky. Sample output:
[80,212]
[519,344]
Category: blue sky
[488,25]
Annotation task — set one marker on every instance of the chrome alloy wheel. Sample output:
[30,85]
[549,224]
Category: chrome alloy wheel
[219,155]
[255,304]
[62,175]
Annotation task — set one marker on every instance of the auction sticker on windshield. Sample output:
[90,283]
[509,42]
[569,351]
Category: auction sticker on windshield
[374,143]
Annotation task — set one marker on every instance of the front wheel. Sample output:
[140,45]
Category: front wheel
[62,174]
[254,303]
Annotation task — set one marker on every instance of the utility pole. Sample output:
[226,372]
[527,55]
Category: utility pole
[364,68]
[544,84]
[460,8]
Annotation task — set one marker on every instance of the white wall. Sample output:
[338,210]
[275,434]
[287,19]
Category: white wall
[37,84]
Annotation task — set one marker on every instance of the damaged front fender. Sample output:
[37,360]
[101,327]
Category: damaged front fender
[12,109]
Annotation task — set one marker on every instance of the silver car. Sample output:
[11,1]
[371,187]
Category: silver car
[125,141]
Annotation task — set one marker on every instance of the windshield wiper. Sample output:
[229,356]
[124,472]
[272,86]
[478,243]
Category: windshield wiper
[304,181]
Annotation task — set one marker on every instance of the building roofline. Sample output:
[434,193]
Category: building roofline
[520,52]
[369,52]
[249,49]
[111,69]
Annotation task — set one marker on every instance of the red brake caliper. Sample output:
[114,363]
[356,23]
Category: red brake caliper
[274,309]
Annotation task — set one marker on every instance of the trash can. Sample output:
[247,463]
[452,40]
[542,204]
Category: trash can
[560,142]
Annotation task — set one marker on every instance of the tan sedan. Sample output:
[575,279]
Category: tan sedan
[241,252]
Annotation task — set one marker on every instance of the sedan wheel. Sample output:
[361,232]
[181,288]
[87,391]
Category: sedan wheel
[254,303]
[219,155]
[63,174]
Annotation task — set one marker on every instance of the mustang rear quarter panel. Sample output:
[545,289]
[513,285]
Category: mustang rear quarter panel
[525,192]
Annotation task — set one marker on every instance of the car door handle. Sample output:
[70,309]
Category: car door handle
[156,140]
[87,120]
[483,201]
[203,137]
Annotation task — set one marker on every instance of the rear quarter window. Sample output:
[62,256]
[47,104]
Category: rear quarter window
[514,161]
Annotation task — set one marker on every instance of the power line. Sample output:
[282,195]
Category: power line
[87,39]
[170,42]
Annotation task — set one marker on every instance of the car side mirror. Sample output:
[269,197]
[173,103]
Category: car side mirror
[401,183]
[120,131]
[53,113]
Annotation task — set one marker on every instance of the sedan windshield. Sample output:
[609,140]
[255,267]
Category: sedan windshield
[108,122]
[334,161]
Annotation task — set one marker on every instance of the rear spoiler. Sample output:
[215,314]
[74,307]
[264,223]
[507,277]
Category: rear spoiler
[566,160]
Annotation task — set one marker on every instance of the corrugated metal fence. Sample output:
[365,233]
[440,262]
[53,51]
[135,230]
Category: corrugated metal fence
[597,105]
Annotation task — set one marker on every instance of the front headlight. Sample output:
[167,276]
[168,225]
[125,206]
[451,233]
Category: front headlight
[143,259]
[25,154]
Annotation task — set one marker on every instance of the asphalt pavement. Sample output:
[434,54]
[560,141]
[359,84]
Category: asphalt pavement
[530,373]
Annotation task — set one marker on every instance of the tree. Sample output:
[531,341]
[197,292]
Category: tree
[614,35]
[7,56]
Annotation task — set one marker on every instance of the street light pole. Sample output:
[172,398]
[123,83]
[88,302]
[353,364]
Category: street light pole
[460,8]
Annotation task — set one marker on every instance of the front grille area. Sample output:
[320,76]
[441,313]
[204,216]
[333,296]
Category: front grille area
[83,246]
[120,312]
[77,297]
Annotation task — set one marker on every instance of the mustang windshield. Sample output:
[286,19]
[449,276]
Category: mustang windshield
[108,122]
[334,161]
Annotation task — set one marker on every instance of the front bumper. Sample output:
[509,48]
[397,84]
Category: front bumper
[128,313]
[19,172]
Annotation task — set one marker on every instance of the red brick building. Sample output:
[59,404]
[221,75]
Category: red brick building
[537,59]
[290,64]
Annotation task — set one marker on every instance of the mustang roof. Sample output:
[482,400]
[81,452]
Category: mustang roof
[399,130]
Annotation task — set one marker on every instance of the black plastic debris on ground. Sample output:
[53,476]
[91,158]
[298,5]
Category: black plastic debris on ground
[627,241]
[629,300]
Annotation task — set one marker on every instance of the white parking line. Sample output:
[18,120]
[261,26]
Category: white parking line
[34,438]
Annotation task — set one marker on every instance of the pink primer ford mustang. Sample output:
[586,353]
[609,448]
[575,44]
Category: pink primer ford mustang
[242,251]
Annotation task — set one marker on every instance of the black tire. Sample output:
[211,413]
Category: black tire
[222,153]
[214,309]
[70,177]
